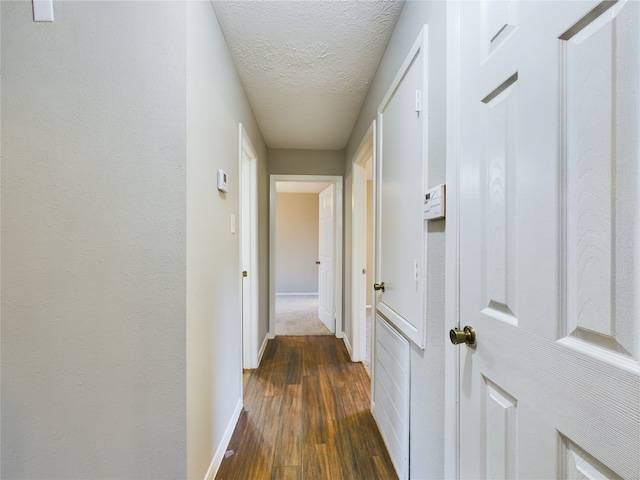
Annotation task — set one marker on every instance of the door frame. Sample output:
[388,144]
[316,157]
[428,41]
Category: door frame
[366,150]
[452,246]
[338,251]
[248,160]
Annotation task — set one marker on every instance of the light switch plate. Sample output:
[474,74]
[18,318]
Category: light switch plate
[223,181]
[43,10]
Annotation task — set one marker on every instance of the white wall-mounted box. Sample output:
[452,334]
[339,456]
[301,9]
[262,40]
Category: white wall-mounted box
[434,203]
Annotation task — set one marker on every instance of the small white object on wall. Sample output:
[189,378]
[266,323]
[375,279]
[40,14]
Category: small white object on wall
[223,184]
[434,203]
[43,10]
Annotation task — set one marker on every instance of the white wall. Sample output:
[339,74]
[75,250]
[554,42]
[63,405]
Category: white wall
[427,366]
[93,241]
[216,103]
[297,233]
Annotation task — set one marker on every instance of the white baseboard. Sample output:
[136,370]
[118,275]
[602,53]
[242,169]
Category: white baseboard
[345,339]
[222,448]
[262,349]
[297,293]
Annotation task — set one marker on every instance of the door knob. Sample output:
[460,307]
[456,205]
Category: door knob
[317,262]
[378,286]
[468,336]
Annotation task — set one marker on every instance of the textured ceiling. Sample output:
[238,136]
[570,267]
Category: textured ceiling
[306,65]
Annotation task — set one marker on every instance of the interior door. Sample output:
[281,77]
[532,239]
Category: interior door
[401,242]
[549,239]
[248,247]
[325,257]
[245,241]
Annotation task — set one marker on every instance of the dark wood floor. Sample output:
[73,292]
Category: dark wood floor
[306,416]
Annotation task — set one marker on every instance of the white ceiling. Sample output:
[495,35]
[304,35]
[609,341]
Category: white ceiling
[306,65]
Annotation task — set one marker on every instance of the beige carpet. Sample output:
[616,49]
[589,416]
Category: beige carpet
[298,315]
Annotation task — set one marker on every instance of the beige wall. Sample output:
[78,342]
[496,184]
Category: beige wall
[297,221]
[427,366]
[216,103]
[93,241]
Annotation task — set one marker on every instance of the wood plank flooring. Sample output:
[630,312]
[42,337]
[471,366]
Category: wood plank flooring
[306,417]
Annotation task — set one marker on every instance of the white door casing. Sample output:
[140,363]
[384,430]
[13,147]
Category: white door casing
[549,239]
[326,257]
[337,242]
[360,228]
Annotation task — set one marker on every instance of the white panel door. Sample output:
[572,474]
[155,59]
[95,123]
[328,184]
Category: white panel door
[550,239]
[401,241]
[325,257]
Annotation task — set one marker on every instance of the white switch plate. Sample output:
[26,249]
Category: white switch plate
[223,181]
[43,10]
[434,203]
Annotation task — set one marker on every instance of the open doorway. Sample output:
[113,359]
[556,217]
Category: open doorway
[297,258]
[305,255]
[362,249]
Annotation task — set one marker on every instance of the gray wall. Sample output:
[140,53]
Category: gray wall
[216,103]
[93,241]
[297,219]
[306,162]
[427,366]
[119,359]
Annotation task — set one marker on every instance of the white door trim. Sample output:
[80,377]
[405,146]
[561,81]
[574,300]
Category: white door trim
[249,250]
[337,284]
[359,286]
[452,246]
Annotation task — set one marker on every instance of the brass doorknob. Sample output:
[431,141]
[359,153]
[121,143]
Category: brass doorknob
[378,286]
[468,336]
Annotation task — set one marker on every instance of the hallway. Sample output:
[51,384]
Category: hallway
[306,416]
